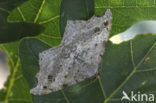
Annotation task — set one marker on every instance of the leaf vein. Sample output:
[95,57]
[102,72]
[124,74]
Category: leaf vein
[67,100]
[21,14]
[132,55]
[53,37]
[129,76]
[115,99]
[9,57]
[86,9]
[39,11]
[113,7]
[19,99]
[20,76]
[49,20]
[12,80]
[101,85]
[2,9]
[32,52]
[142,60]
[87,84]
[147,70]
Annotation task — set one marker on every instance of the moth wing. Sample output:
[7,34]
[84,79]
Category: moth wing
[72,29]
[47,56]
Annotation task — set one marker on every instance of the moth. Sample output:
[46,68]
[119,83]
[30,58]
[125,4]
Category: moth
[77,58]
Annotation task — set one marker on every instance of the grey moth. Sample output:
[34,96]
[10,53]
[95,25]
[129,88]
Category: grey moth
[77,57]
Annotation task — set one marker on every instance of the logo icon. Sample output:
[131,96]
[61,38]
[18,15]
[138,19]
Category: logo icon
[125,96]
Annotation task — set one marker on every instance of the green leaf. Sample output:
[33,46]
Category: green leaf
[7,6]
[75,10]
[16,89]
[14,31]
[43,12]
[36,11]
[126,12]
[130,66]
[2,94]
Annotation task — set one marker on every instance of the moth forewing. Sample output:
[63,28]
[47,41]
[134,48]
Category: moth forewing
[77,57]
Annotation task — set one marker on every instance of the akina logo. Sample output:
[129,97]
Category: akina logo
[137,97]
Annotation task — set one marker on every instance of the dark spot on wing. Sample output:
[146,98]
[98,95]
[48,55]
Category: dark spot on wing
[65,85]
[101,55]
[50,80]
[44,87]
[106,23]
[97,29]
[65,76]
[76,81]
[51,89]
[50,77]
[99,15]
[96,44]
[107,28]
